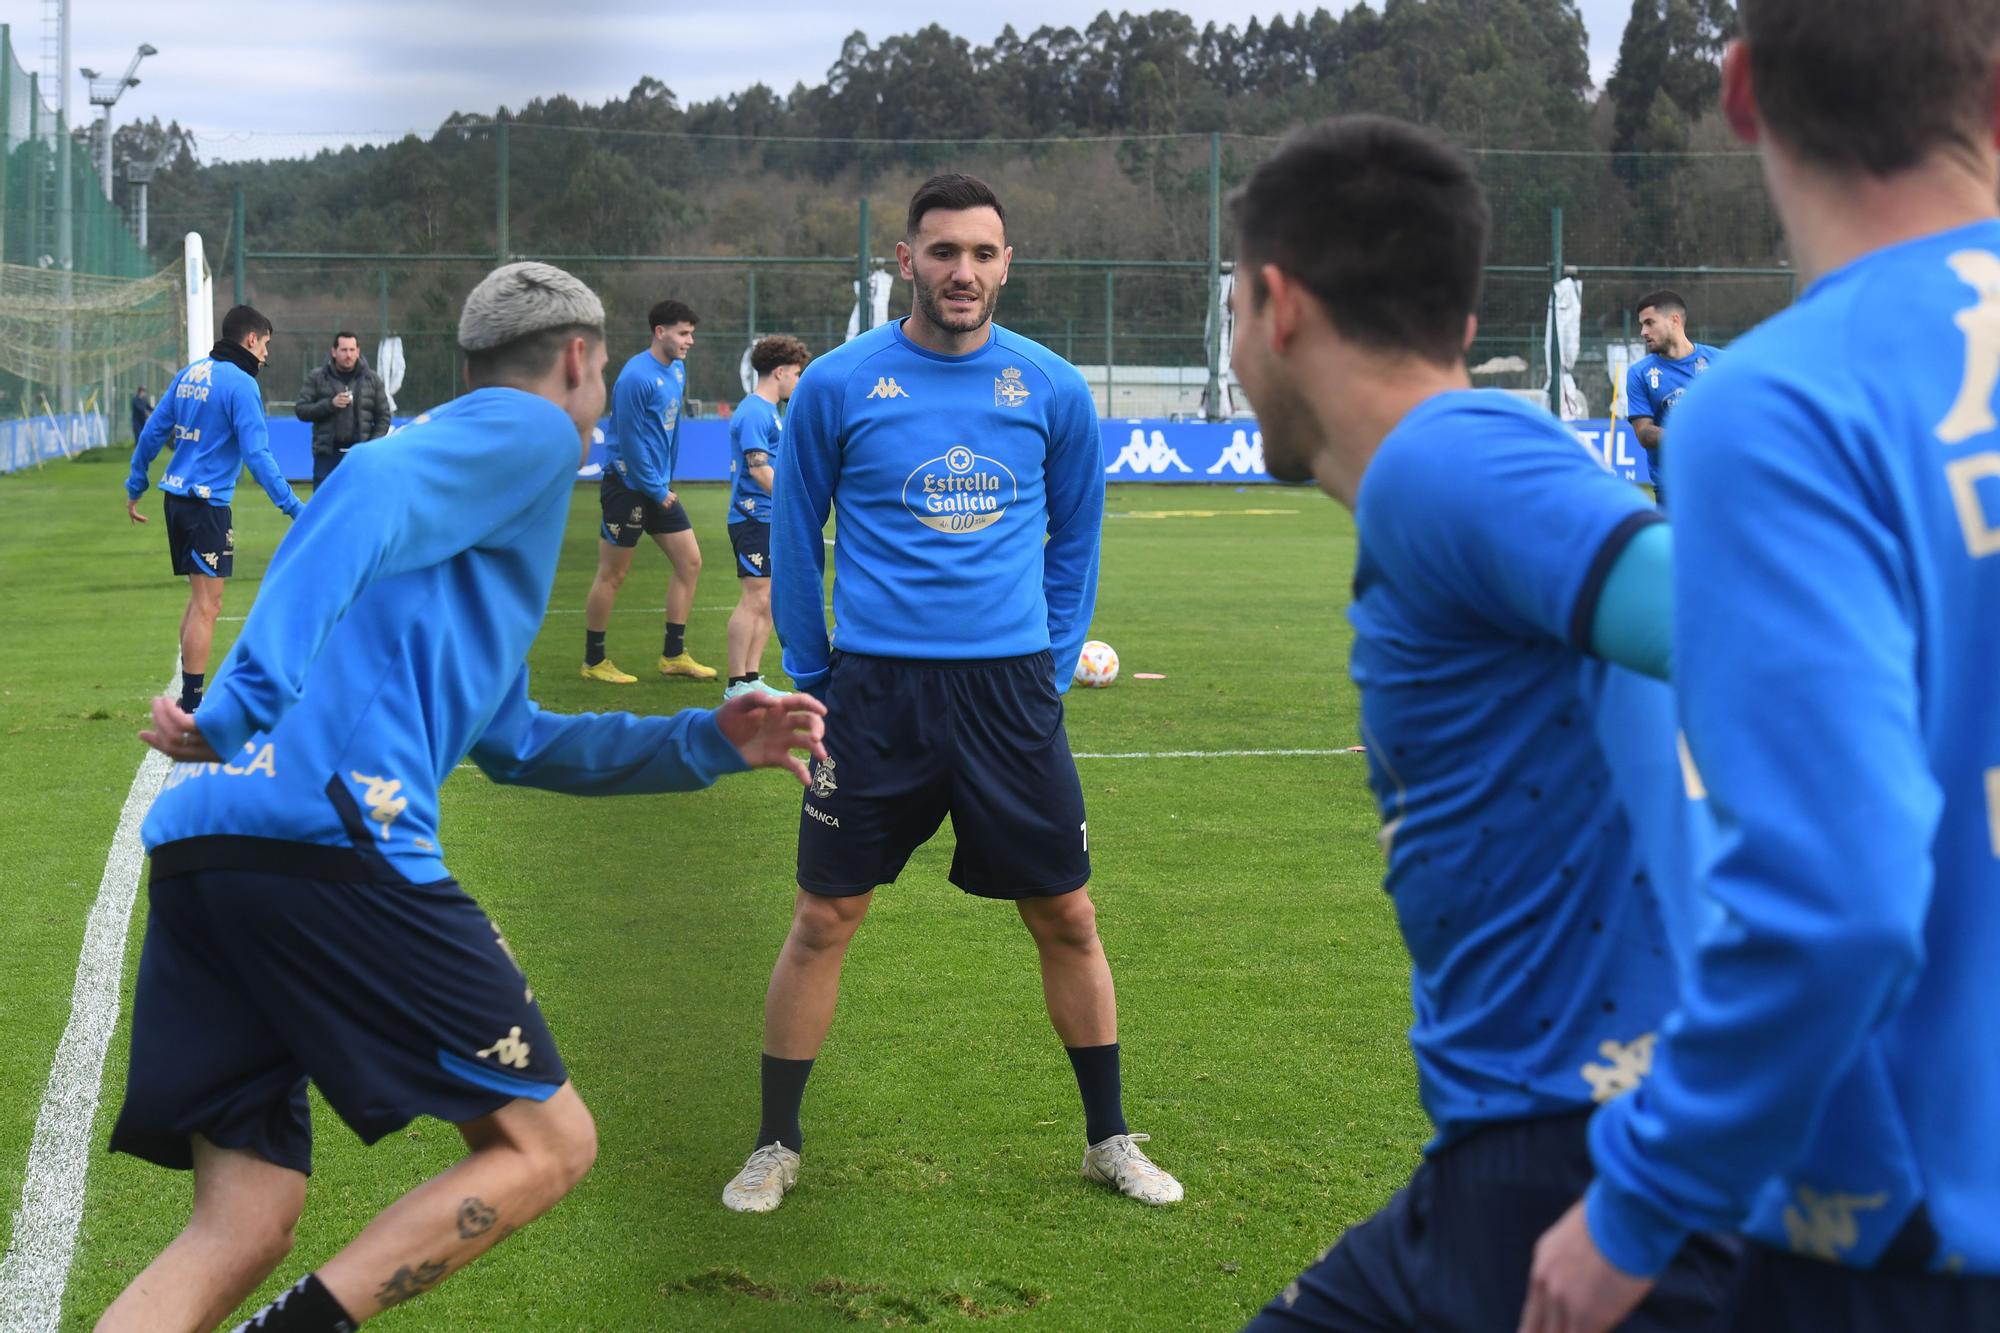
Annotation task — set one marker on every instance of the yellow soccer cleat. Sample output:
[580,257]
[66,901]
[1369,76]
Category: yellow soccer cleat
[608,672]
[684,665]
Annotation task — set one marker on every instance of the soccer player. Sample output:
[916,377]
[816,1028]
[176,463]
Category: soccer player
[303,924]
[637,496]
[969,473]
[1831,1085]
[213,418]
[754,433]
[1494,587]
[1655,382]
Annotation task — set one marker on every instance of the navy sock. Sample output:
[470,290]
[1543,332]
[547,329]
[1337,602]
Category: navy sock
[1097,1079]
[784,1085]
[305,1307]
[676,640]
[743,680]
[593,646]
[191,683]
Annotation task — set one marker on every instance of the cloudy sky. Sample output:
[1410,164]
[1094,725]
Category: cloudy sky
[257,79]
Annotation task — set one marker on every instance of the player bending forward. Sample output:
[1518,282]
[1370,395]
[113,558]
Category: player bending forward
[303,924]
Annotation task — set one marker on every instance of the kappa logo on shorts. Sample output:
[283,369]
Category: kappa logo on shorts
[207,558]
[1630,1062]
[509,1050]
[756,559]
[382,800]
[823,783]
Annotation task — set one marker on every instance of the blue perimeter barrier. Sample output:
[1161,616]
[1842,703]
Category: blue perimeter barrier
[1134,450]
[30,441]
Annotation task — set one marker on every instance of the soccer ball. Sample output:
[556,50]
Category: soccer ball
[1098,665]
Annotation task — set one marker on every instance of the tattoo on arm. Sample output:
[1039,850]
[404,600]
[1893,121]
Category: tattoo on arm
[475,1218]
[756,458]
[410,1282]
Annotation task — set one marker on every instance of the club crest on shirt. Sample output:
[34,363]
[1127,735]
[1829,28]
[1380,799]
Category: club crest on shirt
[960,491]
[1008,391]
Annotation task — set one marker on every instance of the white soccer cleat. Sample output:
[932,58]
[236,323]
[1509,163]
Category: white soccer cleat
[752,687]
[1118,1163]
[761,1185]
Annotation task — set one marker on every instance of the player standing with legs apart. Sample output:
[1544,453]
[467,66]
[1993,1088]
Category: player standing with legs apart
[967,467]
[213,419]
[1831,1084]
[1656,381]
[303,924]
[754,435]
[1497,590]
[637,496]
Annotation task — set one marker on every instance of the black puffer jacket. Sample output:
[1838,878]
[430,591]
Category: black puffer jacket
[336,428]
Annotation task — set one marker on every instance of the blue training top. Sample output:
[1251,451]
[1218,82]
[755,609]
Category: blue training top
[1654,384]
[755,425]
[645,424]
[1830,1084]
[1540,965]
[971,497]
[386,644]
[215,417]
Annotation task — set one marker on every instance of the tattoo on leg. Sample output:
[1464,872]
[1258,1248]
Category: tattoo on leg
[410,1282]
[475,1219]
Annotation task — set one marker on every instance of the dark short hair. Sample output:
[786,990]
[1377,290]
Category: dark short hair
[952,191]
[347,333]
[1382,221]
[1864,85]
[1664,301]
[670,312]
[241,321]
[778,350]
[526,358]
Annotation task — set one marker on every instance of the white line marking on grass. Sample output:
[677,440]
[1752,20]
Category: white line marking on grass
[1217,754]
[36,1267]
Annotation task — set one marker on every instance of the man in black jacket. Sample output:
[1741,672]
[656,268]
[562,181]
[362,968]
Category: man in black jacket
[346,403]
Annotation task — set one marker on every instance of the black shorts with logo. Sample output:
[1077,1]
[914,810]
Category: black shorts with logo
[200,536]
[630,514]
[397,1000]
[909,742]
[750,538]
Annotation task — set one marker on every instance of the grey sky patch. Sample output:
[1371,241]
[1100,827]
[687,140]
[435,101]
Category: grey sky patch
[281,80]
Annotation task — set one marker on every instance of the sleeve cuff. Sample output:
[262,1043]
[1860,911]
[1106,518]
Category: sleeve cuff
[224,725]
[1636,1237]
[709,752]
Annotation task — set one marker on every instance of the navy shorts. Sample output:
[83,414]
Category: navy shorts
[630,514]
[1782,1290]
[750,538]
[397,1000]
[201,537]
[910,742]
[1450,1252]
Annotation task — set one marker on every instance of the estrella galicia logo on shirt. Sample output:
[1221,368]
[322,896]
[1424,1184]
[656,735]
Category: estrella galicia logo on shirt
[960,492]
[1008,391]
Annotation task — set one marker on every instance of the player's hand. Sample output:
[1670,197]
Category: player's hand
[132,512]
[767,728]
[1572,1288]
[176,735]
[671,497]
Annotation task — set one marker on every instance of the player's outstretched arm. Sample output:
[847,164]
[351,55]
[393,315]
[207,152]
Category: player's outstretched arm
[246,413]
[146,448]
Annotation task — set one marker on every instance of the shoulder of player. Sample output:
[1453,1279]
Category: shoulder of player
[1059,375]
[832,371]
[512,422]
[1428,454]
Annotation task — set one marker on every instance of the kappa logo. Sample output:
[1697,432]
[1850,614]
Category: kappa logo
[756,559]
[382,799]
[823,782]
[1823,1226]
[1244,456]
[1628,1064]
[201,372]
[961,491]
[207,558]
[886,387]
[1008,391]
[1143,455]
[202,491]
[509,1050]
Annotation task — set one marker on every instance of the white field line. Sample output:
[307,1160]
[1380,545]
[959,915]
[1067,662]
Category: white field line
[36,1266]
[1219,754]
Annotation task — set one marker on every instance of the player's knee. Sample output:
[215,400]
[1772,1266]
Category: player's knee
[575,1149]
[614,577]
[1067,921]
[820,922]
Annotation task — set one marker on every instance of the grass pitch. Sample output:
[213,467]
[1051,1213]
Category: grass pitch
[1262,988]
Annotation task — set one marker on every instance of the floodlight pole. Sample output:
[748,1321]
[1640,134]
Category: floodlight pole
[864,304]
[1214,412]
[105,93]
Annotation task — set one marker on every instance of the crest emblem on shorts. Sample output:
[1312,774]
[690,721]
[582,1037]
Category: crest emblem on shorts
[1008,391]
[636,517]
[823,783]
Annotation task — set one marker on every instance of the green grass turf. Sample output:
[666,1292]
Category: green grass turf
[1262,988]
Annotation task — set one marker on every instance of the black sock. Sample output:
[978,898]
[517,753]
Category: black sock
[191,682]
[1097,1079]
[593,646]
[743,680]
[304,1307]
[676,640]
[784,1084]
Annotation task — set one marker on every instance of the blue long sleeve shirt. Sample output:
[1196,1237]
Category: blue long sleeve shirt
[970,493]
[645,423]
[1830,1083]
[214,416]
[386,645]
